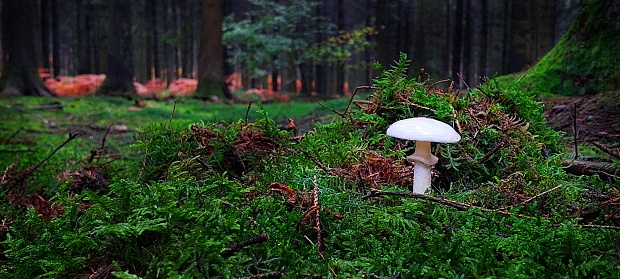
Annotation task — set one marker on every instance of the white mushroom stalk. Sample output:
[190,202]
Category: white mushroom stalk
[424,131]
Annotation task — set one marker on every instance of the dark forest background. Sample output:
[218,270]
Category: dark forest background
[330,44]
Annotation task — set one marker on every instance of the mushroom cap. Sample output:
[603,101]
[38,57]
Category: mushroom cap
[423,129]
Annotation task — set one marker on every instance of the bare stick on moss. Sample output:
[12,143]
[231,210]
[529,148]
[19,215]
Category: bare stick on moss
[21,178]
[317,162]
[13,135]
[267,275]
[606,149]
[576,130]
[451,203]
[491,152]
[319,239]
[247,112]
[463,81]
[364,87]
[332,110]
[432,85]
[234,248]
[174,109]
[97,152]
[533,198]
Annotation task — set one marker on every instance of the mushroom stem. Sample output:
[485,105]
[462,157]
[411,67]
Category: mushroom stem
[421,177]
[423,161]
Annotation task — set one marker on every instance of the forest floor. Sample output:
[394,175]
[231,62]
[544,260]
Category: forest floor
[597,117]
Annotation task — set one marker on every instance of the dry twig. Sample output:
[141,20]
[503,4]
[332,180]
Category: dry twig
[532,198]
[451,203]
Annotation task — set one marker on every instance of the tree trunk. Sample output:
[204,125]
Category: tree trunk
[83,35]
[46,31]
[340,71]
[484,38]
[20,75]
[382,33]
[119,73]
[457,42]
[211,61]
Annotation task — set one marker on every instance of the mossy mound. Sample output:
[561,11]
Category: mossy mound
[586,60]
[252,199]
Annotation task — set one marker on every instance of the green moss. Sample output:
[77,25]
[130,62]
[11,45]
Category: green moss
[586,60]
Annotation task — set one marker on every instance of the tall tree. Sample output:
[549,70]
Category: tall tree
[119,73]
[83,35]
[211,59]
[20,75]
[457,41]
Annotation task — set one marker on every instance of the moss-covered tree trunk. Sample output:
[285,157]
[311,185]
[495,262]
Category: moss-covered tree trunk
[211,57]
[586,60]
[19,74]
[119,75]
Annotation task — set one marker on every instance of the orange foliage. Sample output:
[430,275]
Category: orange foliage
[270,82]
[74,86]
[183,87]
[267,95]
[298,86]
[44,73]
[153,87]
[233,81]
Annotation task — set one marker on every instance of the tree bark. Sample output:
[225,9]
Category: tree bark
[83,35]
[119,73]
[20,76]
[46,31]
[211,59]
[457,41]
[382,33]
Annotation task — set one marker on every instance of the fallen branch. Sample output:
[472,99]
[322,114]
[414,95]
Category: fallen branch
[532,198]
[451,203]
[365,87]
[464,207]
[432,85]
[317,220]
[13,135]
[581,167]
[18,180]
[606,149]
[267,275]
[234,248]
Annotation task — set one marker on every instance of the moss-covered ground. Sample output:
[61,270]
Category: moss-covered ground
[209,193]
[585,61]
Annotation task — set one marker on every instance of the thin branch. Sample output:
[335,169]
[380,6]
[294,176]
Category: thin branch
[432,85]
[332,110]
[267,275]
[13,135]
[247,112]
[463,81]
[319,239]
[491,152]
[365,87]
[21,178]
[606,149]
[575,129]
[599,227]
[174,109]
[533,198]
[106,136]
[234,248]
[317,162]
[451,203]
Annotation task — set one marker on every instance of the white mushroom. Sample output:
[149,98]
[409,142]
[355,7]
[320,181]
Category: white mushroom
[424,131]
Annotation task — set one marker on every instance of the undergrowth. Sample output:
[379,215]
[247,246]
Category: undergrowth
[256,200]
